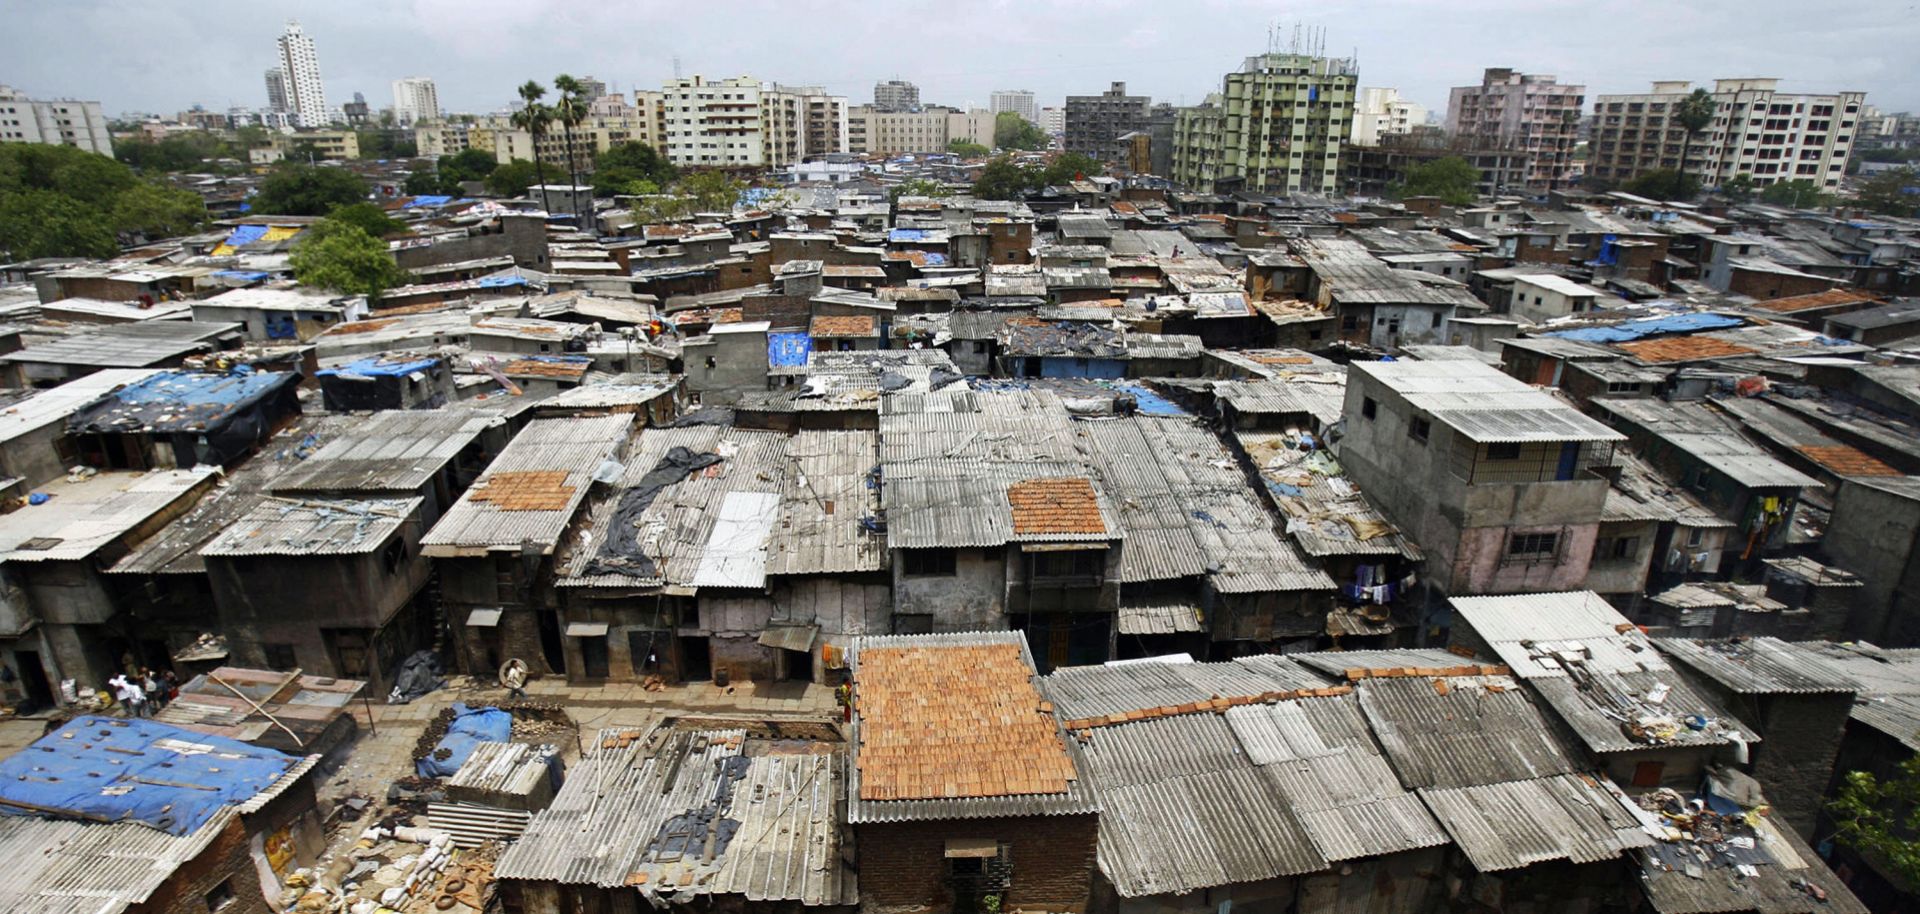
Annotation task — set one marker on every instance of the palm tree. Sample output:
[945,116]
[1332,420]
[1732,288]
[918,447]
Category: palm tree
[571,111]
[1694,114]
[534,118]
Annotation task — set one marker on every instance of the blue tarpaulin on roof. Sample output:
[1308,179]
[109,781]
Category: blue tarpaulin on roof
[909,234]
[933,259]
[195,388]
[430,200]
[248,275]
[788,350]
[469,728]
[378,368]
[120,769]
[245,234]
[1149,403]
[1627,331]
[498,282]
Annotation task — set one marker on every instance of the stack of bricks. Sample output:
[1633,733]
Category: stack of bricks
[963,721]
[1063,505]
[526,490]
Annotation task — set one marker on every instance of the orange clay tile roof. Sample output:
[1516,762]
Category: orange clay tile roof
[961,721]
[526,490]
[843,325]
[1683,349]
[1284,359]
[544,369]
[360,327]
[1058,505]
[1847,461]
[1826,299]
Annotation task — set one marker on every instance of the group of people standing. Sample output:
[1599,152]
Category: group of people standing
[144,692]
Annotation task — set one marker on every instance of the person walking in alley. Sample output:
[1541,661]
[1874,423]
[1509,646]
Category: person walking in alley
[514,677]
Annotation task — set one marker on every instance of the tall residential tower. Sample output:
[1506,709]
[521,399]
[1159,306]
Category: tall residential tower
[1279,124]
[300,74]
[415,100]
[1528,112]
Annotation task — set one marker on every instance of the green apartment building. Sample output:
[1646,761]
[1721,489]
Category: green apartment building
[1280,122]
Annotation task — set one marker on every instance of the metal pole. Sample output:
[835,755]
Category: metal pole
[367,703]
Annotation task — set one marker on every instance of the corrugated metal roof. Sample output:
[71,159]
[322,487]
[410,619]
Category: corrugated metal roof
[1483,403]
[1757,666]
[389,451]
[1701,432]
[1185,808]
[612,824]
[50,406]
[1097,691]
[1323,511]
[1480,730]
[574,446]
[1337,663]
[827,493]
[1601,675]
[134,345]
[1888,683]
[1321,395]
[684,521]
[1157,616]
[1514,824]
[1770,890]
[1326,765]
[84,517]
[314,526]
[60,867]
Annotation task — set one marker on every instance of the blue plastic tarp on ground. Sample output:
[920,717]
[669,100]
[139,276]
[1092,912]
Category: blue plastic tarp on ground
[119,769]
[1628,331]
[469,728]
[788,350]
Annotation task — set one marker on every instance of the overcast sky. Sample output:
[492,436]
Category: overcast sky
[164,55]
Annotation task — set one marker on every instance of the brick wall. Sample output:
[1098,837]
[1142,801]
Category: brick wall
[224,860]
[1800,737]
[903,865]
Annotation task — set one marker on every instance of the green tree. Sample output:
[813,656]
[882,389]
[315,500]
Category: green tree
[968,150]
[917,187]
[93,179]
[630,168]
[711,191]
[465,165]
[1011,131]
[387,143]
[1066,167]
[337,255]
[44,223]
[1664,184]
[571,111]
[423,180]
[298,189]
[369,218]
[1797,193]
[513,178]
[534,118]
[1694,114]
[1001,180]
[1453,179]
[1890,193]
[1738,189]
[151,211]
[1882,817]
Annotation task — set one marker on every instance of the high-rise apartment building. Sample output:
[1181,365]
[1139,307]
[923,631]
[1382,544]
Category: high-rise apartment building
[896,95]
[1527,111]
[1018,101]
[276,90]
[300,72]
[415,100]
[1279,124]
[1094,123]
[741,123]
[871,131]
[1382,112]
[1756,130]
[59,122]
[1053,121]
[591,88]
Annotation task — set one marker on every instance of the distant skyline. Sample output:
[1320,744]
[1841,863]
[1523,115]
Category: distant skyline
[165,56]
